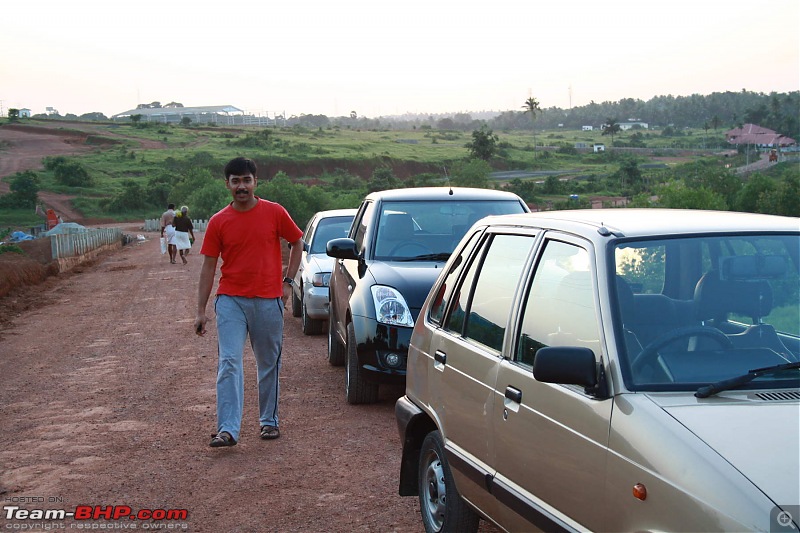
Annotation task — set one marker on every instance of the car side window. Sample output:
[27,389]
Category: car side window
[445,290]
[560,307]
[494,290]
[363,218]
[488,288]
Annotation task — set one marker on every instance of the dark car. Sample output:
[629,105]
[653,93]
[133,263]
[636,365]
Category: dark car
[397,245]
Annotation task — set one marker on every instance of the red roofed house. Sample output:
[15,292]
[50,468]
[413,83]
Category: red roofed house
[752,134]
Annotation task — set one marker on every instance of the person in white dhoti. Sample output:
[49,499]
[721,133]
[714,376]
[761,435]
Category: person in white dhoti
[168,231]
[184,232]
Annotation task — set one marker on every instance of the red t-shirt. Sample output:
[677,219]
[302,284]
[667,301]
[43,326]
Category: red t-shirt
[250,245]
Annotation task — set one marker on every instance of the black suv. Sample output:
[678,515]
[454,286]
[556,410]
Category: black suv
[384,268]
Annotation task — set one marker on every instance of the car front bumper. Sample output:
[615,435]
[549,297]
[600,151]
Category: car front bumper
[316,301]
[382,350]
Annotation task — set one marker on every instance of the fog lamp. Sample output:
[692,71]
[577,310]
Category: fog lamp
[392,360]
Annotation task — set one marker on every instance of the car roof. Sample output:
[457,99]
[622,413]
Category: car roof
[442,193]
[336,213]
[629,222]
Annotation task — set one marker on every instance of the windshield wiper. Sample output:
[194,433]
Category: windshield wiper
[738,381]
[444,256]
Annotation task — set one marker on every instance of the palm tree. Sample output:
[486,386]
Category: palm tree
[610,128]
[532,106]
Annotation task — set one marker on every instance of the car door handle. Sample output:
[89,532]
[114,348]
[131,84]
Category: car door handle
[440,357]
[514,394]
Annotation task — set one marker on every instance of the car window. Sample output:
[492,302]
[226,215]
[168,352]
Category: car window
[560,307]
[482,302]
[728,304]
[409,229]
[446,288]
[329,228]
[494,289]
[359,228]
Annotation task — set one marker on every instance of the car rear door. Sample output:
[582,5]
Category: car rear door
[467,354]
[550,441]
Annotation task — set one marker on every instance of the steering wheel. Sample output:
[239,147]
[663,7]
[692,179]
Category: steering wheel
[650,352]
[410,244]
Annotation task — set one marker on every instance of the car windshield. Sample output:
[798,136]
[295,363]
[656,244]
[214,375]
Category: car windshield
[695,311]
[430,230]
[328,229]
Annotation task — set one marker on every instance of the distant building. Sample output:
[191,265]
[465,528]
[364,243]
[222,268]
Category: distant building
[24,113]
[599,147]
[587,128]
[761,137]
[220,114]
[624,126]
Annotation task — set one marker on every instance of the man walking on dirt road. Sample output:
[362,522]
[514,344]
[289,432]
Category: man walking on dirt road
[250,299]
[168,231]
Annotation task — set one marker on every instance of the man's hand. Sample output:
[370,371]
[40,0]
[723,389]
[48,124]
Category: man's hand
[200,325]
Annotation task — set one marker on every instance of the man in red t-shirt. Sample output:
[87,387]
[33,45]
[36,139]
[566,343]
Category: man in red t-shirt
[250,299]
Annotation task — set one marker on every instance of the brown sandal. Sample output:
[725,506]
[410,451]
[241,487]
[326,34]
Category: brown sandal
[270,432]
[222,439]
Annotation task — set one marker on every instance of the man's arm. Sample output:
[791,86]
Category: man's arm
[207,273]
[295,254]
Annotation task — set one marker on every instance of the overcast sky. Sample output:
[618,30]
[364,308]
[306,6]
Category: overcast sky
[386,57]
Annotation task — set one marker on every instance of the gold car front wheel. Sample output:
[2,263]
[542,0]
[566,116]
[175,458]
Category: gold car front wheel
[441,506]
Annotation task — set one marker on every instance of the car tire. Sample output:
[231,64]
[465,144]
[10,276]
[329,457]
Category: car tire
[357,389]
[297,305]
[335,348]
[441,506]
[311,326]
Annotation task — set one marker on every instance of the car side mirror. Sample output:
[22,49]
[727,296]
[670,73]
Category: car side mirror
[570,365]
[342,248]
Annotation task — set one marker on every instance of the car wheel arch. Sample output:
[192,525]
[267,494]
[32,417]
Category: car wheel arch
[417,429]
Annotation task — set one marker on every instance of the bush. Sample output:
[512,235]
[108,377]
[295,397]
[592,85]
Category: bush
[73,175]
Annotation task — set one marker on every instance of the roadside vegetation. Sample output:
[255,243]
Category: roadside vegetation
[334,164]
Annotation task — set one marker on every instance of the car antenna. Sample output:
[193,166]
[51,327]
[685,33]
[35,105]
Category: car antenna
[448,181]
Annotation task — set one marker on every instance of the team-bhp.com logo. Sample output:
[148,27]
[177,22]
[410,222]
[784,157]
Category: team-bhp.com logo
[95,512]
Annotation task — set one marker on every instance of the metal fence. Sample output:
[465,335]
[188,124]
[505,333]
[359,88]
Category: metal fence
[80,244]
[154,224]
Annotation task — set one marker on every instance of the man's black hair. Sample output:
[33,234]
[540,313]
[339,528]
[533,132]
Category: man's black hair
[171,206]
[240,166]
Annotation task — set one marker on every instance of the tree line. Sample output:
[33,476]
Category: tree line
[720,110]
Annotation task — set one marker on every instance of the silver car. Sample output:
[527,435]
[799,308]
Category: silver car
[310,289]
[609,370]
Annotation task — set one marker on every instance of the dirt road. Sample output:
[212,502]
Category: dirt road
[107,399]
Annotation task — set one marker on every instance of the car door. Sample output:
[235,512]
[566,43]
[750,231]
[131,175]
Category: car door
[467,354]
[550,440]
[347,273]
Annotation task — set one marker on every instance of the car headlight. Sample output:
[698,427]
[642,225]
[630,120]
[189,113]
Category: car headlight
[321,279]
[391,307]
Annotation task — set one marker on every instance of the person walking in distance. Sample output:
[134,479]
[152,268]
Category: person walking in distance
[168,231]
[184,229]
[251,297]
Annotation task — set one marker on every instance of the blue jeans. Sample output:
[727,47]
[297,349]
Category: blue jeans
[262,320]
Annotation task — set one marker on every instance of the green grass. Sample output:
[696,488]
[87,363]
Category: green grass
[323,150]
[18,220]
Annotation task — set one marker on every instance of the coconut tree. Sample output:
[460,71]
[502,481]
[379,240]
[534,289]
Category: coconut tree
[611,127]
[532,106]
